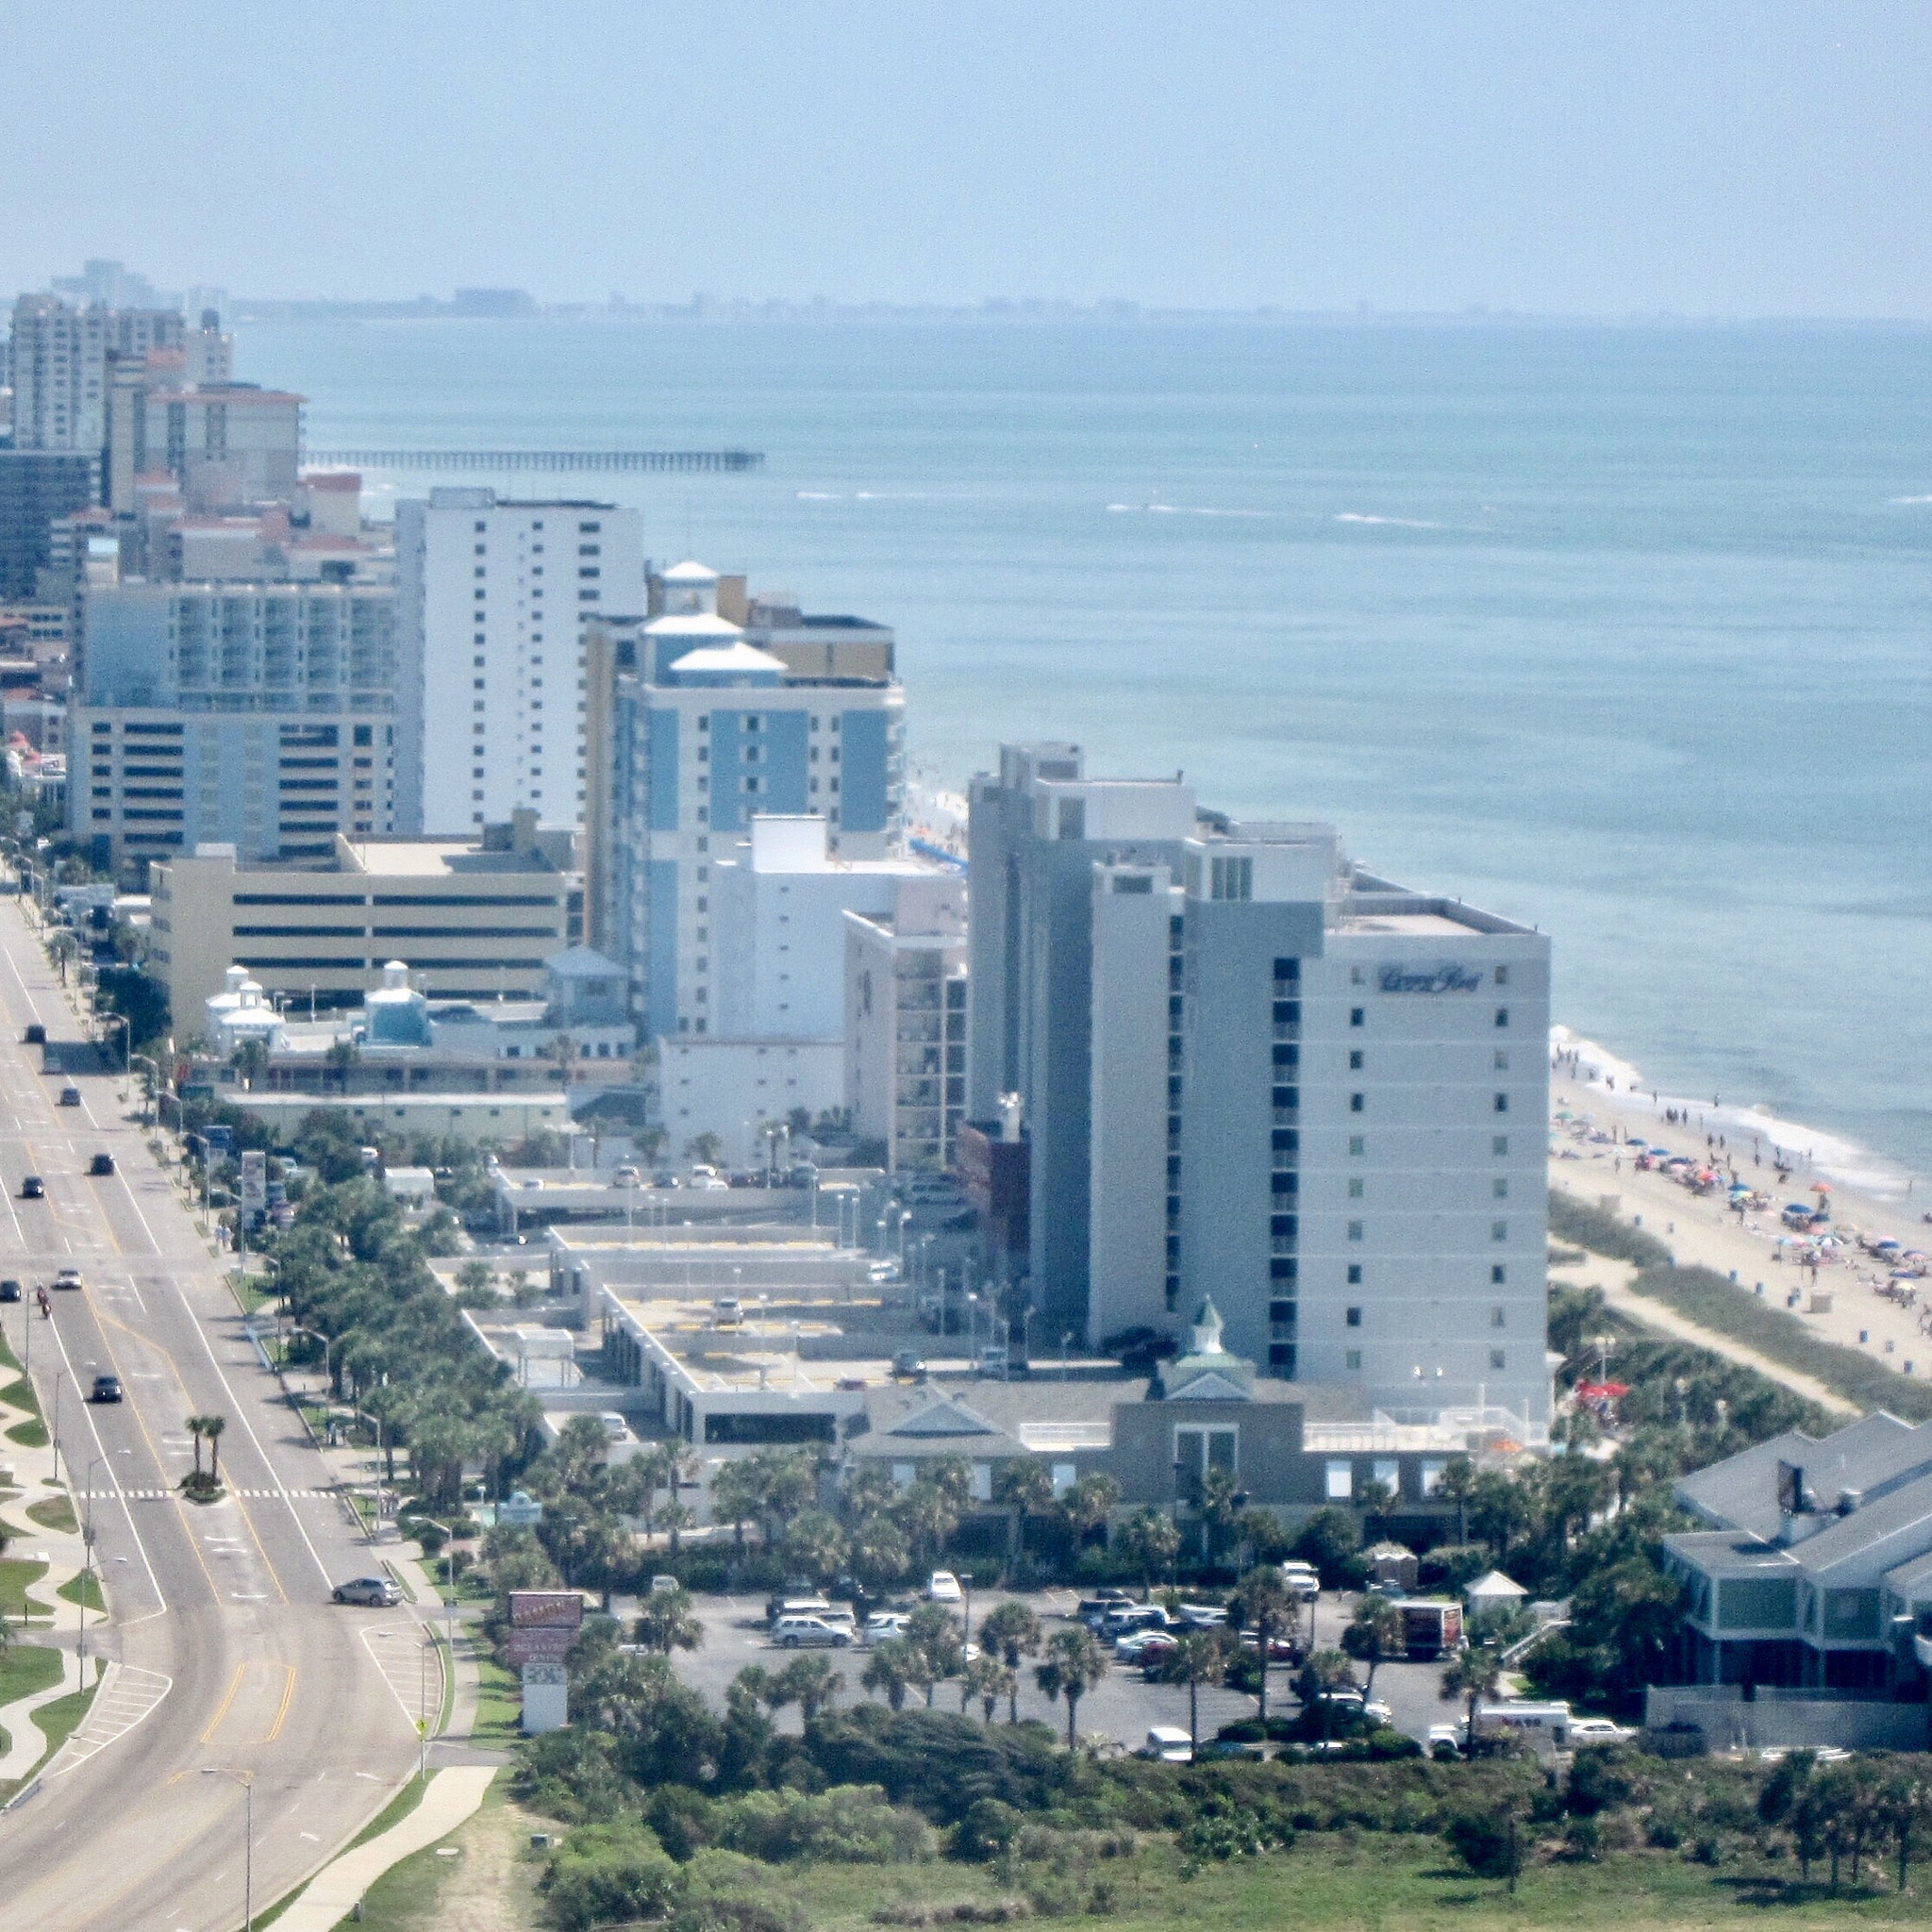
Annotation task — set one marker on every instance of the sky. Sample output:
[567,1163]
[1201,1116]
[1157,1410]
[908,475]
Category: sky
[1704,157]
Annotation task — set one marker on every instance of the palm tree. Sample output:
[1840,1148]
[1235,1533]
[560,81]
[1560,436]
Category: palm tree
[1265,1608]
[1011,1631]
[193,1427]
[734,1496]
[1074,1663]
[1149,1538]
[1220,1508]
[1025,1489]
[1089,1503]
[211,1427]
[1455,1485]
[988,1680]
[1375,1633]
[889,1670]
[1325,1671]
[1473,1675]
[932,1633]
[666,1622]
[1199,1656]
[814,1544]
[810,1683]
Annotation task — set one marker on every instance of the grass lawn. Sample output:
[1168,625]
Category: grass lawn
[55,1513]
[31,1434]
[1338,1882]
[499,1704]
[20,1393]
[59,1719]
[16,1573]
[25,1668]
[72,1587]
[488,1885]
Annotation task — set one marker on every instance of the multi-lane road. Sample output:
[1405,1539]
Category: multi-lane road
[236,1667]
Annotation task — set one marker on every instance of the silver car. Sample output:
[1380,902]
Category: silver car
[371,1593]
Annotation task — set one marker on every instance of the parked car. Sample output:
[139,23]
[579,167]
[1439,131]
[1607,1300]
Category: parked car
[32,1188]
[1144,1646]
[34,1035]
[107,1389]
[9,1289]
[883,1624]
[615,1428]
[371,1593]
[67,1277]
[70,1095]
[100,1164]
[1445,1741]
[1124,1618]
[1201,1616]
[1090,1610]
[797,1633]
[942,1587]
[1599,1730]
[778,1607]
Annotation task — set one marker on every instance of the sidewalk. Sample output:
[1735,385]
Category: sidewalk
[337,1889]
[64,1553]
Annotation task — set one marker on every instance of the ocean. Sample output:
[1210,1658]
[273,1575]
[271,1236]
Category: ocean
[1622,631]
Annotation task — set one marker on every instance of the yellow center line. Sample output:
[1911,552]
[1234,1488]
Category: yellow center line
[215,1723]
[275,1730]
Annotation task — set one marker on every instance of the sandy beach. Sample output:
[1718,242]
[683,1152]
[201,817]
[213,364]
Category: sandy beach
[1867,1195]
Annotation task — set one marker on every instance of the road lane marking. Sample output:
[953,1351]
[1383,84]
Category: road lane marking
[215,1722]
[275,1730]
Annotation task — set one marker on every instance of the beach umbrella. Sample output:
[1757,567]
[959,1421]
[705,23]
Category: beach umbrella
[1821,1187]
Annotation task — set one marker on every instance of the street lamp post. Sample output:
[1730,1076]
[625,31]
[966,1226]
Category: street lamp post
[87,1570]
[247,1780]
[54,1434]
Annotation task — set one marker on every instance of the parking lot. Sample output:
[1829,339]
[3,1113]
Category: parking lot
[1123,1706]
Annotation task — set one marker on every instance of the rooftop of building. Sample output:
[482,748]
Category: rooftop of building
[413,859]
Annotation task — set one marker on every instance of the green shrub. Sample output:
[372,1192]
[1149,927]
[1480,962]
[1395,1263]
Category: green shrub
[1602,1233]
[1489,1843]
[849,1825]
[606,1874]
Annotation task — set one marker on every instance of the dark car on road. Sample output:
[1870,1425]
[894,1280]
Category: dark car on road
[9,1289]
[34,1035]
[101,1163]
[32,1188]
[372,1593]
[107,1389]
[70,1096]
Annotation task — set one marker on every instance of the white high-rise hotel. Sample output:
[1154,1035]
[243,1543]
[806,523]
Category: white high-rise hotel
[492,600]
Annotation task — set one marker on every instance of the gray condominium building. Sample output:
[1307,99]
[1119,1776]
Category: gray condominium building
[1248,1071]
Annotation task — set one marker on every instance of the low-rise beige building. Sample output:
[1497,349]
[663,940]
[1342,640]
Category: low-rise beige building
[470,920]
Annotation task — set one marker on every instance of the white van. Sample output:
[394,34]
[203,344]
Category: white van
[1170,1744]
[1546,1728]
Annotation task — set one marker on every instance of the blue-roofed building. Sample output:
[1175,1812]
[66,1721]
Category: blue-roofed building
[694,729]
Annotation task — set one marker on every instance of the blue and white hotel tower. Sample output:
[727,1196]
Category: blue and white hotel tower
[703,731]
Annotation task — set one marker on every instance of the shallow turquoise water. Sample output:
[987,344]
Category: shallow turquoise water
[1622,631]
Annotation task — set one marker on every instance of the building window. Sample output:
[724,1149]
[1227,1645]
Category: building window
[1356,1016]
[1500,1144]
[1497,1359]
[1357,977]
[1229,878]
[1197,1451]
[1389,1473]
[1355,1230]
[1502,1016]
[1431,1476]
[1502,1103]
[1341,1472]
[1502,1060]
[1357,1145]
[1354,1318]
[1500,1188]
[1355,1274]
[1357,1102]
[1502,975]
[1499,1230]
[1354,1188]
[1065,1474]
[1355,1060]
[1497,1319]
[1498,1276]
